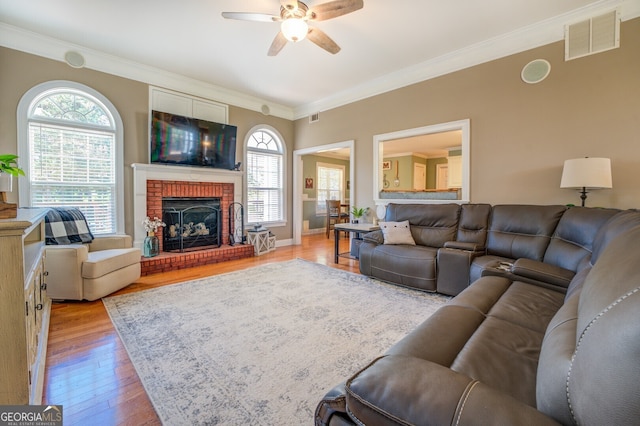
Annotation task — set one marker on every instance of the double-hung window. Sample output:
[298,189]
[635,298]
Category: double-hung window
[265,177]
[330,178]
[72,142]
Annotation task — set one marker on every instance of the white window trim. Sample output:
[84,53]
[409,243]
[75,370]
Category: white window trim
[35,94]
[283,146]
[343,195]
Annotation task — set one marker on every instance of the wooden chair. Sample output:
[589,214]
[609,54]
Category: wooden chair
[336,214]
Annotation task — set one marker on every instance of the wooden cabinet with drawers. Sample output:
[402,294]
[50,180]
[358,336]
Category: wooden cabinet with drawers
[25,308]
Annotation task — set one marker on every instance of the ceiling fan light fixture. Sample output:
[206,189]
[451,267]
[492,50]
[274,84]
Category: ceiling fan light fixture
[294,29]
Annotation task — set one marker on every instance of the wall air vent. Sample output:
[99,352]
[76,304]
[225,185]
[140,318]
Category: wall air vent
[314,117]
[594,35]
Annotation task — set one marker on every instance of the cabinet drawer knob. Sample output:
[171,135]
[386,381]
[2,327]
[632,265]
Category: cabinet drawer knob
[39,306]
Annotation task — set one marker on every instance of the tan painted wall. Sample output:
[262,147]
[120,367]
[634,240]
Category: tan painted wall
[20,71]
[520,133]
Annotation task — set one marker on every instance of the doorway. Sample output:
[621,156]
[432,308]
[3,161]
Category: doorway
[299,180]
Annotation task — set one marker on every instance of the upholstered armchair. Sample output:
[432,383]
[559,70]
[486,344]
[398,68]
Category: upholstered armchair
[87,268]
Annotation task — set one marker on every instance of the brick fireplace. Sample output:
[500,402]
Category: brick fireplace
[159,189]
[153,182]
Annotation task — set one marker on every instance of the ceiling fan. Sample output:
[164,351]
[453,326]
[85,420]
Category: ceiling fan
[294,17]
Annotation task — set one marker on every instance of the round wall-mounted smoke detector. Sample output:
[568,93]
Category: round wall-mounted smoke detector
[265,109]
[535,71]
[74,59]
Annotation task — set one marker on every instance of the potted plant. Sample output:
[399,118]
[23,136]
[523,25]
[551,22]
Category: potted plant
[357,213]
[8,169]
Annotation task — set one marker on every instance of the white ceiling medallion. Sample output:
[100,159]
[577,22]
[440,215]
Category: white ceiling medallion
[535,71]
[74,59]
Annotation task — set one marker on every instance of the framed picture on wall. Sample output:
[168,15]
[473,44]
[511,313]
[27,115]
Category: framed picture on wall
[308,183]
[386,165]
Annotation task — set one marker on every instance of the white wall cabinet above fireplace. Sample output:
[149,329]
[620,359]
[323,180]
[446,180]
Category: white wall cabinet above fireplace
[187,106]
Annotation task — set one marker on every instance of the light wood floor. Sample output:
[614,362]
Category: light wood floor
[88,370]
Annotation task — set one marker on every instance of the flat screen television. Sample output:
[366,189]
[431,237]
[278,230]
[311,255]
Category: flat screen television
[188,141]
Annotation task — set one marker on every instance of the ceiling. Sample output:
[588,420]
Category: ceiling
[385,44]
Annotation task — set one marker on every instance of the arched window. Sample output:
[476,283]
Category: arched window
[71,138]
[265,176]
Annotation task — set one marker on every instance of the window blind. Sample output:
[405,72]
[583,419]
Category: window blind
[74,167]
[264,187]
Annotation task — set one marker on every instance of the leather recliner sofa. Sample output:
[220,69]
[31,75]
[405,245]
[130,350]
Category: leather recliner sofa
[513,349]
[456,244]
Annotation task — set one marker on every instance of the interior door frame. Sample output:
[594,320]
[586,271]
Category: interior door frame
[439,168]
[423,167]
[298,179]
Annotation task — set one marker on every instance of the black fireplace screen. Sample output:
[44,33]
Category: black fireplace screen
[192,223]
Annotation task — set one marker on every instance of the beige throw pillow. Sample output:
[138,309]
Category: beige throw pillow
[397,233]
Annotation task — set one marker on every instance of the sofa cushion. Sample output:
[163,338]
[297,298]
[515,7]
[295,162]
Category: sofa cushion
[503,351]
[522,230]
[474,223]
[431,224]
[102,262]
[572,242]
[396,233]
[412,266]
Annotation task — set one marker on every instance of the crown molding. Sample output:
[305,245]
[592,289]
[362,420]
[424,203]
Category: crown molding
[55,49]
[526,38]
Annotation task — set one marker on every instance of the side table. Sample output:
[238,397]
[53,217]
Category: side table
[353,228]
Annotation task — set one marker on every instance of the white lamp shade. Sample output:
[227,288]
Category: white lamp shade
[586,173]
[294,29]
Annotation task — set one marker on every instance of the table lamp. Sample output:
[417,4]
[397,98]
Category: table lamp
[586,173]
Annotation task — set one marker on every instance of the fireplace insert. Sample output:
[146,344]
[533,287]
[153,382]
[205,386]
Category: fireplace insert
[192,224]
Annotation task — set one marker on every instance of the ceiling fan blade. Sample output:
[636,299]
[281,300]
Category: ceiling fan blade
[277,44]
[333,9]
[321,39]
[248,16]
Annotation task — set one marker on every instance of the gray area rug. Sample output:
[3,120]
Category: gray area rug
[260,346]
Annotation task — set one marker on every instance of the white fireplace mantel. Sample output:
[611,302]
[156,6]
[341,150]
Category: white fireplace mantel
[144,172]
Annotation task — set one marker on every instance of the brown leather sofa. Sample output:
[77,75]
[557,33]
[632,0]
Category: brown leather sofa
[456,244]
[519,349]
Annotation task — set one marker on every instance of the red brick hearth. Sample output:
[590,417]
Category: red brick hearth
[156,189]
[172,261]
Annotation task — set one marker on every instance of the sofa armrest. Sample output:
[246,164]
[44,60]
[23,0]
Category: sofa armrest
[109,242]
[459,245]
[333,408]
[454,269]
[64,265]
[544,272]
[398,389]
[375,237]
